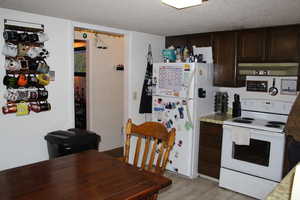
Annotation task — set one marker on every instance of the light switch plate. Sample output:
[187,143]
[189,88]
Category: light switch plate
[134,96]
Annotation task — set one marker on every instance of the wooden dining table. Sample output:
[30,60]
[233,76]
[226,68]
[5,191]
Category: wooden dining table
[89,175]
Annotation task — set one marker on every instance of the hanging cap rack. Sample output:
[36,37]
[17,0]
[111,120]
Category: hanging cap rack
[16,25]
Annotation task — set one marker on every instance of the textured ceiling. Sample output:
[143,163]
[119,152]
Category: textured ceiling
[151,16]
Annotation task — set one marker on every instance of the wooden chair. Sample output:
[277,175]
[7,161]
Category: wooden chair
[163,141]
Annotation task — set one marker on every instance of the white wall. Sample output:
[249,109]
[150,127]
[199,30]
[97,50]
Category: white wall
[138,64]
[22,138]
[105,89]
[137,54]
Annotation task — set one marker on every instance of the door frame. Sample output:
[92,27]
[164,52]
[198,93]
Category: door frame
[127,63]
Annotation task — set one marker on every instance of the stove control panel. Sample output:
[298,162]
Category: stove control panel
[265,105]
[257,86]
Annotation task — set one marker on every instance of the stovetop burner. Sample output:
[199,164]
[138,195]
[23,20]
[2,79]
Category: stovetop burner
[241,120]
[262,114]
[276,122]
[273,125]
[257,123]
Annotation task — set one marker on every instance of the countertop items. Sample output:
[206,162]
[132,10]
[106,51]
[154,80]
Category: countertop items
[221,102]
[216,118]
[284,189]
[236,106]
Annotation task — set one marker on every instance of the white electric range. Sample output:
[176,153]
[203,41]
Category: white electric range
[255,169]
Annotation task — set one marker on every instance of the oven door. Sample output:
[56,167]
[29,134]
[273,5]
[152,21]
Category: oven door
[262,158]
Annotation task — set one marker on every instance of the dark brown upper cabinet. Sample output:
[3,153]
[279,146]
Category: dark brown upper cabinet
[273,44]
[251,45]
[283,44]
[225,65]
[176,41]
[199,40]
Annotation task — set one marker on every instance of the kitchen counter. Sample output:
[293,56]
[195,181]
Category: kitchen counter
[284,189]
[216,118]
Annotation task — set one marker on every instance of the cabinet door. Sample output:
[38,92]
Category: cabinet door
[210,146]
[224,52]
[176,41]
[283,44]
[199,40]
[251,45]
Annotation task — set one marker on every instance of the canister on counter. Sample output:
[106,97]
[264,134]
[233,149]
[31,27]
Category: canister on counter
[221,102]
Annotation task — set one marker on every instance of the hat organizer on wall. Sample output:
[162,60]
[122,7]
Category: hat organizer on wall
[27,72]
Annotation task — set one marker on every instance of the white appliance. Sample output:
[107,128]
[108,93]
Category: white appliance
[255,169]
[182,93]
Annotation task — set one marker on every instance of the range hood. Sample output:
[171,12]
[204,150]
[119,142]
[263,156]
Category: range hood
[268,69]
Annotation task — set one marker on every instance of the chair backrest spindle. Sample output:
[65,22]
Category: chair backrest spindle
[146,151]
[137,151]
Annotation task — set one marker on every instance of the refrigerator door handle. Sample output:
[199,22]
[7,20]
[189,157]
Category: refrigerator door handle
[190,121]
[190,83]
[189,116]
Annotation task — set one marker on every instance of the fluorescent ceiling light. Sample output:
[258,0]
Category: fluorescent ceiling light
[179,4]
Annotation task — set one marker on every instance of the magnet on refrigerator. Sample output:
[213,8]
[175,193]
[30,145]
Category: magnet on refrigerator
[181,112]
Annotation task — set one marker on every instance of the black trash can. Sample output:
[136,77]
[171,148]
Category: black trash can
[61,143]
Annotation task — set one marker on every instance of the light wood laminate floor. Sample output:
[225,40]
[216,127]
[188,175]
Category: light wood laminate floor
[197,189]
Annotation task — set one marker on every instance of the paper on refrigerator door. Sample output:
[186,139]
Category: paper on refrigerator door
[205,51]
[170,78]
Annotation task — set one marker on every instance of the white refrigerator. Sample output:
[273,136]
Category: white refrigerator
[182,93]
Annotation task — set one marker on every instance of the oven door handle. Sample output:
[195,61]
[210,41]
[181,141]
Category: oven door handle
[269,134]
[260,132]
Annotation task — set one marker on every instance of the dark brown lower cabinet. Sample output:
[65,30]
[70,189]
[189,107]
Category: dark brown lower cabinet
[210,146]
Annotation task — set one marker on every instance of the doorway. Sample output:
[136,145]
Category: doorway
[80,66]
[104,85]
